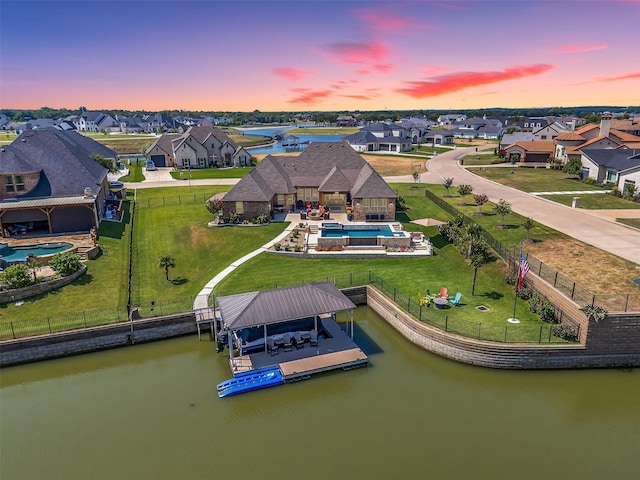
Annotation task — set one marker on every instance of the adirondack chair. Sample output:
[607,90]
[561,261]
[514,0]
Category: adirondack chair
[443,292]
[455,301]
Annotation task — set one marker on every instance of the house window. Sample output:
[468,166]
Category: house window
[239,208]
[612,176]
[543,137]
[14,183]
[374,205]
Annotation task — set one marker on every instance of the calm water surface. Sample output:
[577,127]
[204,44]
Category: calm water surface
[151,411]
[278,148]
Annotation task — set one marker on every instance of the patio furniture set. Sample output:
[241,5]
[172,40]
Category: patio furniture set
[440,300]
[287,341]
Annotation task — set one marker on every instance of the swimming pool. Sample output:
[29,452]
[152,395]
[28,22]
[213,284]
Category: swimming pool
[333,234]
[339,230]
[19,253]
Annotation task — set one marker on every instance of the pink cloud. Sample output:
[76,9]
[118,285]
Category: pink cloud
[291,73]
[307,96]
[431,69]
[389,22]
[383,68]
[579,48]
[627,76]
[357,97]
[354,52]
[459,81]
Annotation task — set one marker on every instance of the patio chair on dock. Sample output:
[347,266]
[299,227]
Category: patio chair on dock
[297,337]
[288,344]
[272,348]
[313,338]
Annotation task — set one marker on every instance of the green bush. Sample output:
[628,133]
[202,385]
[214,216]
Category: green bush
[65,263]
[16,276]
[590,181]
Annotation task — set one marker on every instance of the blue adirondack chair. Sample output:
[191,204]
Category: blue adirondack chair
[455,301]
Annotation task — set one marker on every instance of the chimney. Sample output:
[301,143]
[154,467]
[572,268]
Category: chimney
[605,125]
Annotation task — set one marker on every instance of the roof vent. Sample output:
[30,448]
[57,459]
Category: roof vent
[88,192]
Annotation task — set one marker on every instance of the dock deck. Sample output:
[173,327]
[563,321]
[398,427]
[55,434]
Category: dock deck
[335,352]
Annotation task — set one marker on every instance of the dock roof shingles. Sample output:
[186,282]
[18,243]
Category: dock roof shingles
[275,306]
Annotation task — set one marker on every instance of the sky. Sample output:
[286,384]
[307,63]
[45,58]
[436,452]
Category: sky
[321,55]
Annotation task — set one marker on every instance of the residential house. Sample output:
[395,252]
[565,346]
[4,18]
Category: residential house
[380,137]
[521,152]
[346,121]
[450,119]
[198,147]
[331,174]
[439,137]
[550,131]
[415,127]
[570,144]
[476,127]
[510,138]
[530,124]
[620,167]
[51,183]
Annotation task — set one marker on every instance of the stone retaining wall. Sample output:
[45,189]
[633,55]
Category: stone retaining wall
[25,350]
[512,356]
[39,288]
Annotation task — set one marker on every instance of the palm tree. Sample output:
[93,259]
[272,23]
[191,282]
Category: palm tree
[447,184]
[166,262]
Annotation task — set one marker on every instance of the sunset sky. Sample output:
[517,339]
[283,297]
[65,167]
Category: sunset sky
[327,55]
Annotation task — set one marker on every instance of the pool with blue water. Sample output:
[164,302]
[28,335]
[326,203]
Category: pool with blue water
[19,253]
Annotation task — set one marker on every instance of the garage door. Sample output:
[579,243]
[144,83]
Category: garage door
[159,160]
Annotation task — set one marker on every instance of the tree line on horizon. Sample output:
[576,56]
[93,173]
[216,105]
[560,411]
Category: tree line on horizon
[590,113]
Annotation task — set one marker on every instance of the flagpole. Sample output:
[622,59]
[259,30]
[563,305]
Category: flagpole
[515,298]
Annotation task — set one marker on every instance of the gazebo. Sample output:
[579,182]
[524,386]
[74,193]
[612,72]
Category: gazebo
[279,311]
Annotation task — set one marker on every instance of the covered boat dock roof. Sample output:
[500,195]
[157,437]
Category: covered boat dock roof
[286,304]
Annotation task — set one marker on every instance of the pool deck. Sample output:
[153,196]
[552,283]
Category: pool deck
[337,352]
[78,240]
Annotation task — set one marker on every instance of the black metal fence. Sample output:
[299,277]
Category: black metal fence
[579,294]
[185,199]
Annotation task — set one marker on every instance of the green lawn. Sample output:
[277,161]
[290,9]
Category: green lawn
[482,159]
[431,150]
[173,221]
[136,173]
[512,235]
[212,173]
[632,222]
[595,202]
[533,179]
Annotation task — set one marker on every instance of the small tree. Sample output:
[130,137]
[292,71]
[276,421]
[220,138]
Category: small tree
[16,276]
[166,262]
[33,266]
[214,206]
[464,190]
[528,225]
[476,261]
[65,263]
[573,167]
[107,163]
[502,208]
[480,200]
[447,184]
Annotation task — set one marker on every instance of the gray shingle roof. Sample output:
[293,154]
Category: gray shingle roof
[62,157]
[275,306]
[619,159]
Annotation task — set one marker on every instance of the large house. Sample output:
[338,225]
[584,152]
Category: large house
[571,144]
[523,151]
[198,147]
[331,174]
[475,127]
[620,167]
[51,183]
[381,137]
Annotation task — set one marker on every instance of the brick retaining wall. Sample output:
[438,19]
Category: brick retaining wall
[509,356]
[25,350]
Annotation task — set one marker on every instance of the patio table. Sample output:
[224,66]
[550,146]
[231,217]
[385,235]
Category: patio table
[440,302]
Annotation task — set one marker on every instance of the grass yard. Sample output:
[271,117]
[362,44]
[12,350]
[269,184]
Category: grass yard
[595,202]
[248,140]
[430,150]
[514,232]
[534,179]
[393,165]
[200,173]
[482,159]
[632,222]
[136,173]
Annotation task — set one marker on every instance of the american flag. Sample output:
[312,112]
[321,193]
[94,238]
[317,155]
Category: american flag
[522,271]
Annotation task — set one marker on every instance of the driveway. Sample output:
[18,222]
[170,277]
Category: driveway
[584,225]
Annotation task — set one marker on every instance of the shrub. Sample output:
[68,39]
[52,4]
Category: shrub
[277,246]
[547,312]
[297,248]
[595,313]
[590,181]
[65,263]
[16,276]
[565,332]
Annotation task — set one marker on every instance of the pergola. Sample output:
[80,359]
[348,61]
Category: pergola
[255,309]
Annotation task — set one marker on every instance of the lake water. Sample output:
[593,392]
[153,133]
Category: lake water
[151,411]
[279,148]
